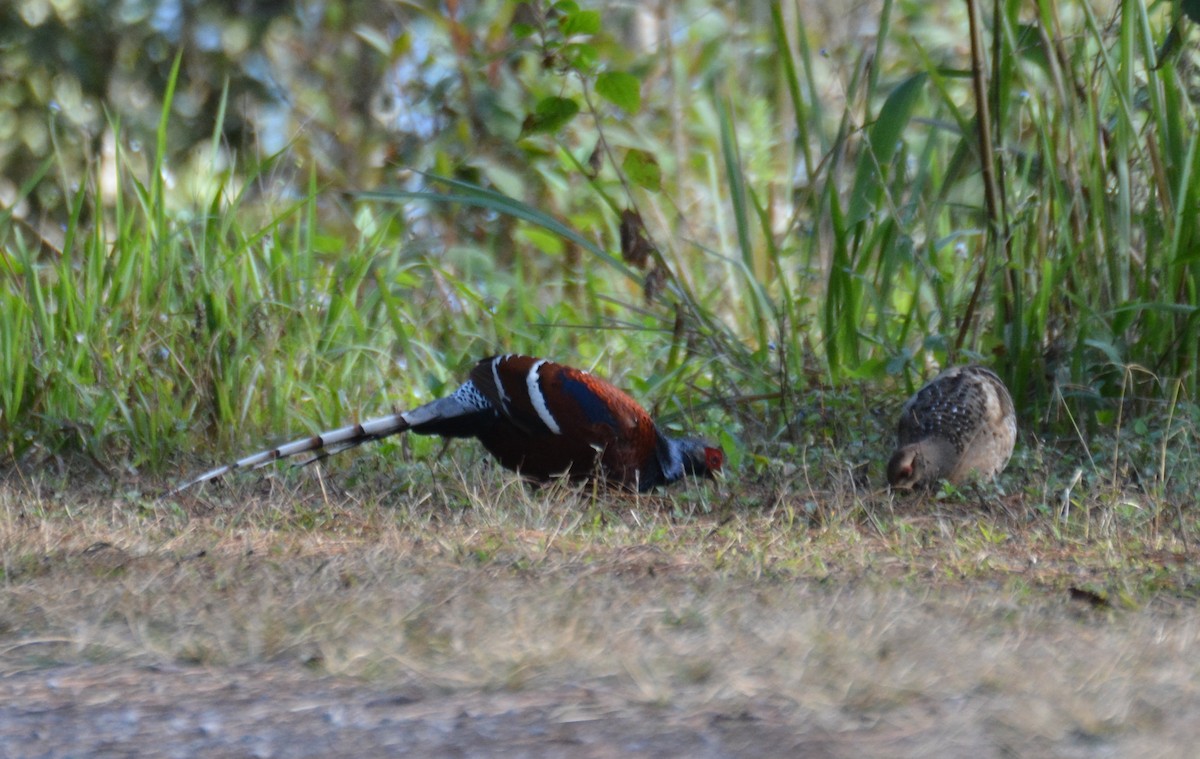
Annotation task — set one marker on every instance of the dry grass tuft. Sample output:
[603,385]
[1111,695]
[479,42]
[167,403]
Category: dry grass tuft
[917,624]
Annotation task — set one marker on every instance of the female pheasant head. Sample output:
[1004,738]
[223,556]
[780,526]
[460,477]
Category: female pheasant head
[920,465]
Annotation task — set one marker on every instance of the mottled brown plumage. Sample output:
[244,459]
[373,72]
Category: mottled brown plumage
[960,426]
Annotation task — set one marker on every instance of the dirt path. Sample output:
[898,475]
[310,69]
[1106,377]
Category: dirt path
[114,710]
[134,633]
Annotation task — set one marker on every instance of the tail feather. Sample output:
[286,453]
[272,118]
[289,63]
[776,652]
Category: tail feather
[327,443]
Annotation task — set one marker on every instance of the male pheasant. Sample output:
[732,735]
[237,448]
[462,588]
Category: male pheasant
[536,417]
[959,426]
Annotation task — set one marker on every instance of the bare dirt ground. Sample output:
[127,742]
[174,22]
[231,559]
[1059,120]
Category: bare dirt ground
[114,711]
[850,673]
[277,713]
[279,629]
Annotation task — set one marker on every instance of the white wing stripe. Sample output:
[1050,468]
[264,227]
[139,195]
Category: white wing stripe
[533,384]
[500,385]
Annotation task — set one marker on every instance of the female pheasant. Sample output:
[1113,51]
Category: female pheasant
[536,417]
[960,425]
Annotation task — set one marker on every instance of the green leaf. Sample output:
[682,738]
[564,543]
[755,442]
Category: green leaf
[895,115]
[643,170]
[1108,349]
[580,56]
[621,89]
[479,197]
[374,39]
[550,115]
[583,22]
[882,139]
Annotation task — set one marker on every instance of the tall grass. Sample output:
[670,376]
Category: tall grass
[1080,269]
[865,240]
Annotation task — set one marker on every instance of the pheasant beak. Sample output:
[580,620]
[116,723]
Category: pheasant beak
[901,470]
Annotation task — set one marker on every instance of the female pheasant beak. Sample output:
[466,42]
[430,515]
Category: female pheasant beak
[906,468]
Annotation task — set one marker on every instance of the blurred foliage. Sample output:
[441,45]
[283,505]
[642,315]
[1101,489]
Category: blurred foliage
[351,96]
[353,90]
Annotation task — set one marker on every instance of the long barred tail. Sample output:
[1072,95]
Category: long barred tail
[325,444]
